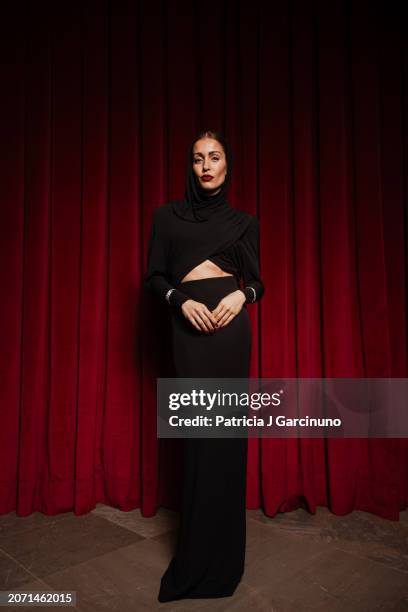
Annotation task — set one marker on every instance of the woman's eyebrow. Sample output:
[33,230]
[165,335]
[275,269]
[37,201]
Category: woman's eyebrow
[209,153]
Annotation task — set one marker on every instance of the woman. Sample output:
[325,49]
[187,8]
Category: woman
[200,248]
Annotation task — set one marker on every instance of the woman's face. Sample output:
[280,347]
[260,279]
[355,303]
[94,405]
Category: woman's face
[209,161]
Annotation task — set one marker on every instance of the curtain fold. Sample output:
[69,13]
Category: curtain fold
[97,111]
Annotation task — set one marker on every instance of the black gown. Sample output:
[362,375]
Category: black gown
[210,553]
[209,559]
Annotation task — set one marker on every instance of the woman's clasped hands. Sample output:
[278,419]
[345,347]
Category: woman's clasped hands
[209,321]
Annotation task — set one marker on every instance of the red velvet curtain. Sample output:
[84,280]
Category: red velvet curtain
[97,111]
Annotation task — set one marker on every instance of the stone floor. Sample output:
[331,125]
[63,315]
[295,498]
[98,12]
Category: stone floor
[294,562]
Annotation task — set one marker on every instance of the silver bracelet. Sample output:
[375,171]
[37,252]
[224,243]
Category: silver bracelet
[168,294]
[254,298]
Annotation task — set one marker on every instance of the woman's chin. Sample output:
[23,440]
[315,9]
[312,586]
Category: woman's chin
[208,189]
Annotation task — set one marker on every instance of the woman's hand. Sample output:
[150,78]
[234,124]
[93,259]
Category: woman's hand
[229,307]
[199,315]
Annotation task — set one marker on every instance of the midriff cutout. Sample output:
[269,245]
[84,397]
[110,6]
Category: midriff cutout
[206,269]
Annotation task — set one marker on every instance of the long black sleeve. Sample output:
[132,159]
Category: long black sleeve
[155,279]
[253,285]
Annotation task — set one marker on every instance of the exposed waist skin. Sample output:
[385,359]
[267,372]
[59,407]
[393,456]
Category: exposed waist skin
[206,269]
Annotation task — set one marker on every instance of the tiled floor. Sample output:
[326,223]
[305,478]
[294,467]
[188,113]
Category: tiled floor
[294,562]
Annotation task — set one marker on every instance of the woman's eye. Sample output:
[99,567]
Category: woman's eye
[213,159]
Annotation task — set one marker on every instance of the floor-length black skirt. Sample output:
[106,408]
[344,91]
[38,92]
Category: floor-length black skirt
[210,553]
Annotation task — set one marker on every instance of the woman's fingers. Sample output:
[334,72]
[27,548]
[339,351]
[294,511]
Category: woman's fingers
[207,319]
[228,320]
[211,316]
[226,314]
[220,311]
[189,310]
[192,321]
[204,320]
